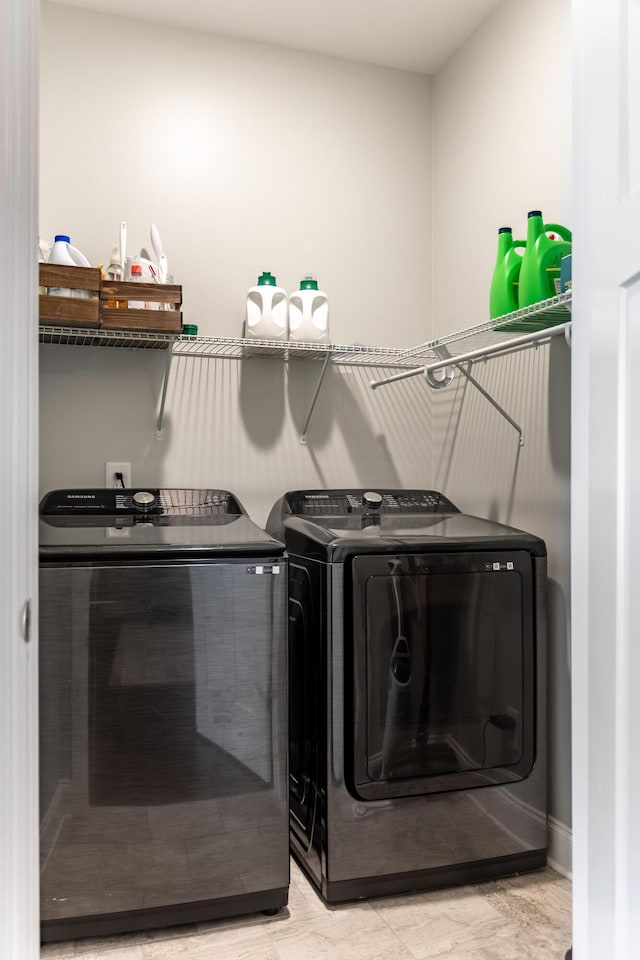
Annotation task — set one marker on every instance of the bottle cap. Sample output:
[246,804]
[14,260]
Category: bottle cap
[190,329]
[136,270]
[308,282]
[267,280]
[534,213]
[63,237]
[505,230]
[115,255]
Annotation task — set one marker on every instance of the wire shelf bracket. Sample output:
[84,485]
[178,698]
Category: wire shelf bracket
[448,362]
[163,393]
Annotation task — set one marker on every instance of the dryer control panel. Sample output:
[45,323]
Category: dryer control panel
[336,503]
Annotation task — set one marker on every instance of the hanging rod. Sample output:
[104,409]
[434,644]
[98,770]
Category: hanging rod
[479,354]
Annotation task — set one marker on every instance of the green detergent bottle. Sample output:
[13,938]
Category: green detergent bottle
[546,245]
[503,297]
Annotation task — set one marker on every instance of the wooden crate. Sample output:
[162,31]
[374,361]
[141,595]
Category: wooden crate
[73,311]
[115,313]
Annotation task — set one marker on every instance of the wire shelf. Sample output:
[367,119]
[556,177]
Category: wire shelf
[550,312]
[358,354]
[222,347]
[90,337]
[540,316]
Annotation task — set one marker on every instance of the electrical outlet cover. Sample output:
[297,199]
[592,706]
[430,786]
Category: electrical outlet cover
[111,469]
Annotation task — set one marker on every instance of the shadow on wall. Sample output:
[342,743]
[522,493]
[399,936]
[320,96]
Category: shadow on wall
[471,435]
[262,399]
[371,459]
[99,405]
[560,405]
[241,423]
[339,404]
[477,450]
[302,381]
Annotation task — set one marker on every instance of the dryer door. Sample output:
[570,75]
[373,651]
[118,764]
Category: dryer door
[442,672]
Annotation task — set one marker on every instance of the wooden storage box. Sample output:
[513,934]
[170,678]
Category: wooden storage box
[73,311]
[116,314]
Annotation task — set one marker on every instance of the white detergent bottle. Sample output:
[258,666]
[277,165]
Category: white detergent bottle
[266,310]
[309,313]
[64,254]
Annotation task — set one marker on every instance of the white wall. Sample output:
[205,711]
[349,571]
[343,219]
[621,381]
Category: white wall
[502,127]
[502,147]
[248,157]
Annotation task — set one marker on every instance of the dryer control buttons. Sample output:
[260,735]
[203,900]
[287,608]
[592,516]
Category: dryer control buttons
[371,500]
[143,499]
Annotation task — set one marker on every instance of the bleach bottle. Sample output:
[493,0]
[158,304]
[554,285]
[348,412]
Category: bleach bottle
[266,310]
[64,254]
[546,245]
[309,313]
[503,297]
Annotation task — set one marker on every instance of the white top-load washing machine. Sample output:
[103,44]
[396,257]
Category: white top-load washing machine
[163,711]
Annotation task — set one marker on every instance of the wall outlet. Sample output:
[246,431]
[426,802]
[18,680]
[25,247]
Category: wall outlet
[110,471]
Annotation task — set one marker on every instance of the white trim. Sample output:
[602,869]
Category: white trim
[19,37]
[560,856]
[604,480]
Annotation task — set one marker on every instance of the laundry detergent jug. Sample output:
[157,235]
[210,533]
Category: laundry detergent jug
[309,313]
[266,316]
[63,253]
[546,245]
[503,297]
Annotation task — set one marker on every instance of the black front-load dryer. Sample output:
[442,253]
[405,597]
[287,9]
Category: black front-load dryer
[163,711]
[417,640]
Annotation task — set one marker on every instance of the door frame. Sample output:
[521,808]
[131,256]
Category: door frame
[19,56]
[605,485]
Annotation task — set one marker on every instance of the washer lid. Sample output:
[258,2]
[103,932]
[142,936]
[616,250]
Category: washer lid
[149,523]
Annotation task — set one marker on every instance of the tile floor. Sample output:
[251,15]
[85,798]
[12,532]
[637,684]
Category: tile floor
[527,917]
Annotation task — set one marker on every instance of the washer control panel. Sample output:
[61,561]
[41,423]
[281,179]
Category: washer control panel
[148,501]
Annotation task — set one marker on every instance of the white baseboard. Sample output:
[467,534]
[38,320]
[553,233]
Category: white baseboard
[560,855]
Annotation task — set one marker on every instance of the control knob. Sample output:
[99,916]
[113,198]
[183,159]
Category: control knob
[142,499]
[371,500]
